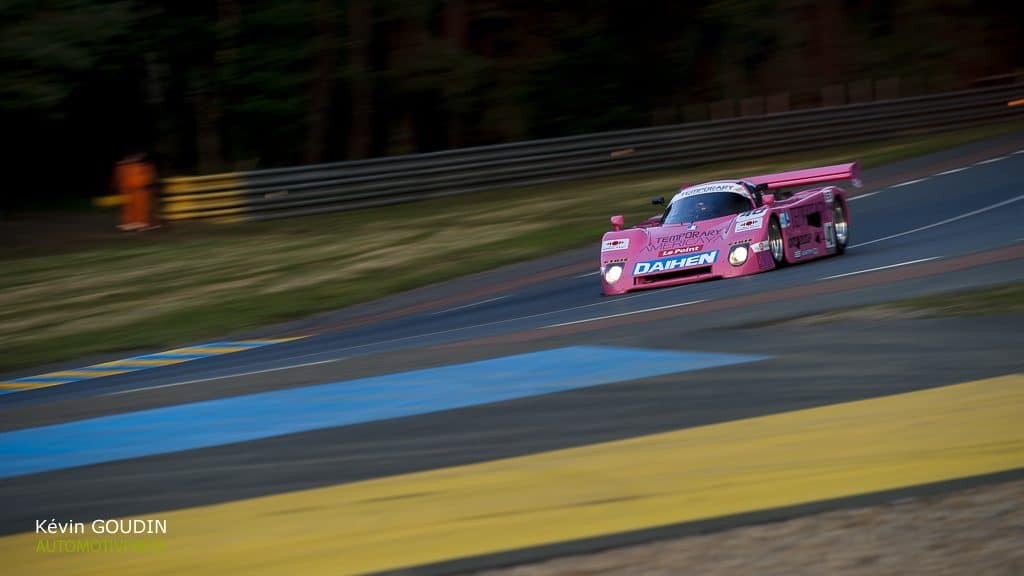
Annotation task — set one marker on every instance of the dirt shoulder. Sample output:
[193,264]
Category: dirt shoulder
[977,531]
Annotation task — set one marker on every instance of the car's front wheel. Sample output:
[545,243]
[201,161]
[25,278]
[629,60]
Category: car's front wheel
[776,244]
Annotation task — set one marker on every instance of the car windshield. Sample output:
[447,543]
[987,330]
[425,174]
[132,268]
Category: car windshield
[706,206]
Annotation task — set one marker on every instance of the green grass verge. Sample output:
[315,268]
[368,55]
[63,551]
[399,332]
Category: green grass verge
[1005,299]
[198,281]
[994,301]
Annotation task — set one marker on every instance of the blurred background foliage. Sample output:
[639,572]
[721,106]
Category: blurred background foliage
[228,85]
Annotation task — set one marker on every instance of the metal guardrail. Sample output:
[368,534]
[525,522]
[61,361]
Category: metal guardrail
[313,189]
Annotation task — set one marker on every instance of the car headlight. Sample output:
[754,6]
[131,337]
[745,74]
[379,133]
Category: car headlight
[612,273]
[738,255]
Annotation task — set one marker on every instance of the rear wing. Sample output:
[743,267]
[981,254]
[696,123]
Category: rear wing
[849,171]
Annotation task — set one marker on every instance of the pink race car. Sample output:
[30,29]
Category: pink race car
[731,228]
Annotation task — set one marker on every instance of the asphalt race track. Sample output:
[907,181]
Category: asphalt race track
[518,414]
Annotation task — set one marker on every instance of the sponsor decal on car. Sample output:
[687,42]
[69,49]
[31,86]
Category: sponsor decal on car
[680,250]
[828,195]
[798,241]
[663,265]
[803,253]
[744,224]
[830,235]
[616,244]
[784,219]
[712,188]
[759,246]
[683,238]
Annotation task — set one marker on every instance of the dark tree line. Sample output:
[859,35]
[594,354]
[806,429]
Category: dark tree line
[229,84]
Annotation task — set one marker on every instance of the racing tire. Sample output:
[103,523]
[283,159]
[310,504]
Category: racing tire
[776,243]
[840,227]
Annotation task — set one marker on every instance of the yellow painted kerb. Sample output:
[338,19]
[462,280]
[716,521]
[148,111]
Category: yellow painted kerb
[80,373]
[711,471]
[144,363]
[27,385]
[209,350]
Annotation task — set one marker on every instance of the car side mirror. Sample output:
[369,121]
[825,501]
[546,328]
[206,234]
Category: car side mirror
[658,200]
[618,221]
[768,199]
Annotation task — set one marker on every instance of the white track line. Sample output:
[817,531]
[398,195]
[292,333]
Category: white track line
[859,196]
[468,305]
[484,324]
[946,173]
[991,160]
[172,384]
[909,182]
[587,274]
[946,221]
[880,268]
[624,314]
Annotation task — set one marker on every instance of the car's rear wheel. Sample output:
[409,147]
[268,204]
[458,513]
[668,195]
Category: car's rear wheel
[840,227]
[776,243]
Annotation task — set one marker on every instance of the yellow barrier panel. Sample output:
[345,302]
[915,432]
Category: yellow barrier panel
[184,201]
[186,185]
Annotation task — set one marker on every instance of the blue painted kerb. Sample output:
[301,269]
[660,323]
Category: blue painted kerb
[267,414]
